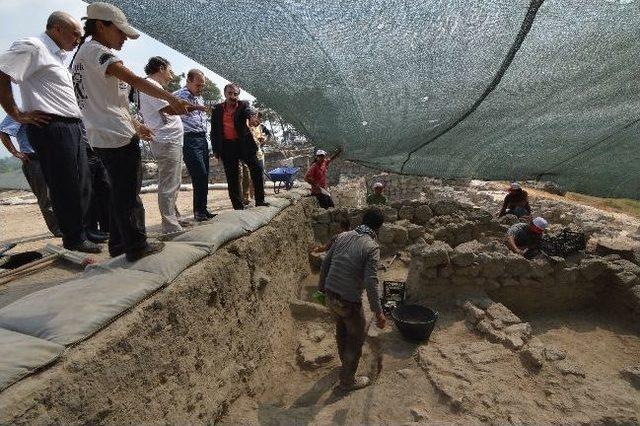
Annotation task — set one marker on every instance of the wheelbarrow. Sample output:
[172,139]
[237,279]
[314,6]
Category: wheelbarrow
[282,176]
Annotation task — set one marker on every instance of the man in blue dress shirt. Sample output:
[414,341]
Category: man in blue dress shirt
[30,167]
[195,149]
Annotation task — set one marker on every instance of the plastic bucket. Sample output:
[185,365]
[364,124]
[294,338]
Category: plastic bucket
[414,322]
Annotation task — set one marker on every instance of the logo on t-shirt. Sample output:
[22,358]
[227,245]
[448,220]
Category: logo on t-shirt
[78,85]
[105,57]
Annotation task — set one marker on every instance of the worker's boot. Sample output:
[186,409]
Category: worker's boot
[358,383]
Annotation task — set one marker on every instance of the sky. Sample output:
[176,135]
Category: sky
[27,18]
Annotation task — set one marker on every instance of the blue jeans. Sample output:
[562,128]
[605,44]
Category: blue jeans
[196,156]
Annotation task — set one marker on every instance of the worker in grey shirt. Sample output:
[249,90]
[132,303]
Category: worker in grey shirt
[350,266]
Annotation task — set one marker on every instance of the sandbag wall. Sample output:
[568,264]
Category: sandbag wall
[185,352]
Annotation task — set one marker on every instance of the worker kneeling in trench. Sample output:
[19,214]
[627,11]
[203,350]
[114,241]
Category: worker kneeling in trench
[351,265]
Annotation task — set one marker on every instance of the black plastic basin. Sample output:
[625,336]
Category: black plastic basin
[414,322]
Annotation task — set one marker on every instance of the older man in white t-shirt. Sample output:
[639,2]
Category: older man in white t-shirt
[53,120]
[166,144]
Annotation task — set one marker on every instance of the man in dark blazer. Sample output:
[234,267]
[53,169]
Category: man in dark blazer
[232,142]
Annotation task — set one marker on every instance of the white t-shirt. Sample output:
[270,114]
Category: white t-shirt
[36,64]
[167,128]
[103,99]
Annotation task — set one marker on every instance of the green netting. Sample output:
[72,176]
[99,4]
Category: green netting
[491,89]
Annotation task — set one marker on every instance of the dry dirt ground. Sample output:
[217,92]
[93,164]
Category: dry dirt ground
[458,377]
[24,223]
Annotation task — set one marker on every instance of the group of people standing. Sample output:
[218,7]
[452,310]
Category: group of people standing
[80,144]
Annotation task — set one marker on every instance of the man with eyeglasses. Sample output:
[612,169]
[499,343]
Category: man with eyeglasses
[195,149]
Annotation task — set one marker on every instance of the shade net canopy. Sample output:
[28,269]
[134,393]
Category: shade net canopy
[488,89]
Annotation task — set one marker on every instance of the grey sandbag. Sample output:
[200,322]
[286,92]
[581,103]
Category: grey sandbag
[21,355]
[72,311]
[224,227]
[169,263]
[253,219]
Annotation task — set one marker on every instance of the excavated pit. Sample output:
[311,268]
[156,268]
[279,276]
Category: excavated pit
[235,338]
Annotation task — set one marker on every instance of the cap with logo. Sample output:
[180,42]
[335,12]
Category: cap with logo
[108,12]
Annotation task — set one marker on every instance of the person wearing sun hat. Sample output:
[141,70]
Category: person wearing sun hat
[524,237]
[516,202]
[377,198]
[102,84]
[316,176]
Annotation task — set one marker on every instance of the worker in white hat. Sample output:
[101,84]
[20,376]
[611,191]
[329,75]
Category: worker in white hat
[523,238]
[316,176]
[377,197]
[102,85]
[516,202]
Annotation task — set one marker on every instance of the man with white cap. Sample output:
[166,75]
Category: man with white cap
[377,198]
[516,202]
[526,237]
[52,119]
[102,84]
[316,176]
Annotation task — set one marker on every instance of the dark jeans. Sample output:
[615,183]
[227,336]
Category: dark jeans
[98,216]
[350,334]
[124,168]
[231,154]
[63,160]
[195,152]
[325,201]
[33,173]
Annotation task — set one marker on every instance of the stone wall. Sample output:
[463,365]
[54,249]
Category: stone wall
[410,222]
[439,272]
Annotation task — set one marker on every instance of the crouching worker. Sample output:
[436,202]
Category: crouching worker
[516,202]
[524,238]
[377,198]
[351,265]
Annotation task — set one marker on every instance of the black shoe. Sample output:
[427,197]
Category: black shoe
[151,248]
[209,214]
[85,247]
[200,217]
[263,204]
[96,236]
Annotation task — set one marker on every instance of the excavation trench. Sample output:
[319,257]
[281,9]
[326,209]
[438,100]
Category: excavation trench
[235,339]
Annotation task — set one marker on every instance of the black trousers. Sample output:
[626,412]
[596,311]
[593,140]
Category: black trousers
[63,160]
[124,168]
[98,216]
[231,153]
[195,153]
[33,173]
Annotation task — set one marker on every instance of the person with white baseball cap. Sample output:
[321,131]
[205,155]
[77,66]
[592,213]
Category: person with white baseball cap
[516,202]
[526,237]
[377,197]
[316,176]
[102,84]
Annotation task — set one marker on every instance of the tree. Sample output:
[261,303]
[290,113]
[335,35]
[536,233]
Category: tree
[175,83]
[211,93]
[284,134]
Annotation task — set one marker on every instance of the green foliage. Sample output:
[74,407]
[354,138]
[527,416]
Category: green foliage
[175,83]
[211,93]
[9,164]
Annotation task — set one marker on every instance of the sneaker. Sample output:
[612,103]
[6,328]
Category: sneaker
[85,247]
[359,383]
[209,214]
[151,248]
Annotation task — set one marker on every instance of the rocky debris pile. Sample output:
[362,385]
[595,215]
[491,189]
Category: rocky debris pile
[315,350]
[498,324]
[410,222]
